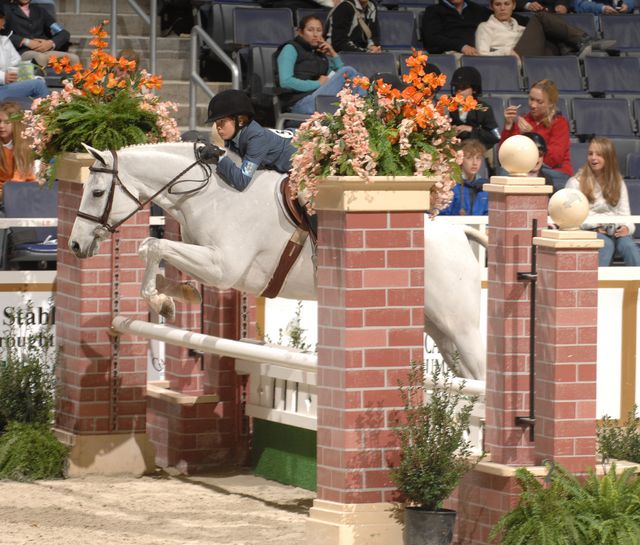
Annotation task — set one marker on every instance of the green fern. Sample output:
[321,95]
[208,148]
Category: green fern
[568,511]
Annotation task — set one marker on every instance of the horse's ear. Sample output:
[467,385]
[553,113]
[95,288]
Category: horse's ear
[95,153]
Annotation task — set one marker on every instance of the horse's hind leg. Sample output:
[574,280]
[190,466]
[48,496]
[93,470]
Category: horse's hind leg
[151,253]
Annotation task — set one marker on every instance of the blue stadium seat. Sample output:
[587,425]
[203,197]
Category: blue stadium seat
[499,74]
[602,116]
[564,71]
[369,64]
[584,21]
[321,14]
[497,105]
[624,30]
[326,104]
[397,29]
[578,155]
[612,75]
[217,20]
[31,244]
[633,165]
[257,26]
[262,67]
[633,188]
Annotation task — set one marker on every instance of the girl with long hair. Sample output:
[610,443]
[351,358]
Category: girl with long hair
[544,119]
[16,159]
[601,182]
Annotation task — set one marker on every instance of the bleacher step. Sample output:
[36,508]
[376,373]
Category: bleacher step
[178,91]
[79,24]
[98,6]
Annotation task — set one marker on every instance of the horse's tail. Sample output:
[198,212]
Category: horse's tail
[476,236]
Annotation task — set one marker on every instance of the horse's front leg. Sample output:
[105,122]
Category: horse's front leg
[151,253]
[200,262]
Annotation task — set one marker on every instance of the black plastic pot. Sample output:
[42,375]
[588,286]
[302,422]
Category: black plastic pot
[423,527]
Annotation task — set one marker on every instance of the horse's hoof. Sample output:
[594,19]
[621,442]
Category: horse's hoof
[183,291]
[168,310]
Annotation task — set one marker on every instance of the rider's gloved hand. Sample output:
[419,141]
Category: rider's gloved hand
[209,153]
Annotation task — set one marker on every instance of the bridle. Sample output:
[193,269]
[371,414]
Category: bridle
[103,220]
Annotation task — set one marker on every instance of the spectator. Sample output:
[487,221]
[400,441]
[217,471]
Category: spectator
[353,26]
[601,182]
[537,170]
[544,119]
[16,159]
[468,197]
[309,67]
[479,124]
[10,87]
[551,6]
[35,34]
[544,34]
[604,7]
[451,26]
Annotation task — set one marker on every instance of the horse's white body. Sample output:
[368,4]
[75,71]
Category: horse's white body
[234,240]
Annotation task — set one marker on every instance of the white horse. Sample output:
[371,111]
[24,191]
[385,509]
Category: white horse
[234,240]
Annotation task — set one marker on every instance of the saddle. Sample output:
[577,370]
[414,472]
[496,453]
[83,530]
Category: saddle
[305,227]
[297,213]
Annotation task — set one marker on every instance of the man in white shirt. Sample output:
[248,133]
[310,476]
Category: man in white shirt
[543,34]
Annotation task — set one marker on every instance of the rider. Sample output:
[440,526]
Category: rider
[259,148]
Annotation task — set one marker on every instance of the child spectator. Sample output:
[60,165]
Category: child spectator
[468,197]
[10,87]
[309,67]
[35,33]
[601,182]
[544,119]
[259,148]
[479,124]
[16,159]
[353,26]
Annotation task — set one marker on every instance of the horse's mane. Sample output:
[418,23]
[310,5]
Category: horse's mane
[173,147]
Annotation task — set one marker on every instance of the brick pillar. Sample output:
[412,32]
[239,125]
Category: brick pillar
[195,420]
[101,404]
[566,337]
[371,324]
[513,204]
[490,490]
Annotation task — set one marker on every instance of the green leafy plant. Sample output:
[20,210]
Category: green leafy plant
[565,510]
[435,453]
[29,452]
[27,381]
[620,442]
[106,105]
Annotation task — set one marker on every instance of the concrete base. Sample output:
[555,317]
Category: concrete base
[114,454]
[332,523]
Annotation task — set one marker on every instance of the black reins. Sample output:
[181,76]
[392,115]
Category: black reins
[103,220]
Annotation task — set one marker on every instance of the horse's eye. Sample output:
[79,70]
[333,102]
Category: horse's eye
[98,193]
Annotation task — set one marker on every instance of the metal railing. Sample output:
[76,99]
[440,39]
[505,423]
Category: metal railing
[151,19]
[197,34]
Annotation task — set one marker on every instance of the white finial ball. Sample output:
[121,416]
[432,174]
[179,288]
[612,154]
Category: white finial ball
[568,209]
[518,155]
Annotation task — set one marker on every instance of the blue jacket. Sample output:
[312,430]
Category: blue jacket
[597,6]
[259,148]
[476,201]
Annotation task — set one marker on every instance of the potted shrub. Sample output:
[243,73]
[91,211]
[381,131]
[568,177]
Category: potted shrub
[434,452]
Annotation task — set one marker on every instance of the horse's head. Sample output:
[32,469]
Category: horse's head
[105,204]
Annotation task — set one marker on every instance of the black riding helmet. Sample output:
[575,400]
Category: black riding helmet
[230,103]
[538,140]
[465,77]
